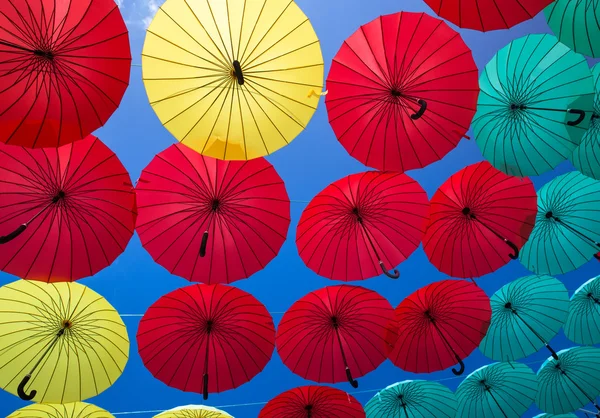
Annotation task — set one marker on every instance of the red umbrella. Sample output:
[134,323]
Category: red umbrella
[64,67]
[209,220]
[335,333]
[313,402]
[362,223]
[479,219]
[65,213]
[486,15]
[402,91]
[439,325]
[215,331]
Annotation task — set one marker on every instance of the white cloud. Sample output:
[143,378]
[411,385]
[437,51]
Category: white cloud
[139,12]
[119,2]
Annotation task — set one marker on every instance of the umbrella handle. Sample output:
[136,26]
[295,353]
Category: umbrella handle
[353,382]
[554,355]
[13,235]
[394,275]
[21,389]
[205,388]
[203,244]
[579,112]
[462,367]
[422,110]
[514,256]
[237,69]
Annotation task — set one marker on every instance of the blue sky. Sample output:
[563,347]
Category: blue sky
[312,161]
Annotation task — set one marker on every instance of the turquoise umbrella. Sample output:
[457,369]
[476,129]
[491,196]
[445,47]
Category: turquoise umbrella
[576,23]
[586,157]
[533,105]
[583,322]
[556,416]
[413,399]
[526,314]
[499,390]
[567,226]
[569,383]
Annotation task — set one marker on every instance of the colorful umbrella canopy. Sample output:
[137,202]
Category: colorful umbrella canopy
[526,314]
[413,398]
[586,157]
[362,225]
[335,334]
[439,325]
[69,410]
[576,24]
[208,220]
[487,15]
[232,80]
[556,416]
[215,331]
[402,91]
[194,411]
[479,218]
[59,342]
[313,402]
[583,322]
[572,381]
[531,112]
[66,213]
[567,228]
[503,390]
[64,67]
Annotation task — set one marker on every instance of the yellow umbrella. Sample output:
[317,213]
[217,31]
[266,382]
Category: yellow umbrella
[59,342]
[69,410]
[235,79]
[194,411]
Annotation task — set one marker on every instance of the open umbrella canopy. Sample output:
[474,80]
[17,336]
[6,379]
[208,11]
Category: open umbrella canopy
[68,410]
[232,80]
[402,91]
[571,382]
[209,220]
[583,322]
[556,416]
[502,390]
[194,411]
[567,229]
[412,399]
[576,24]
[526,314]
[59,342]
[535,105]
[64,67]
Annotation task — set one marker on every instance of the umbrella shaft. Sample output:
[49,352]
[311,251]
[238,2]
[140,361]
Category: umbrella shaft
[576,232]
[589,398]
[489,390]
[50,347]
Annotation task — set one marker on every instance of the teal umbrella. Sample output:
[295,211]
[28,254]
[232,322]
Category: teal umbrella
[586,157]
[569,383]
[583,323]
[531,111]
[526,314]
[567,226]
[413,399]
[556,416]
[576,23]
[500,390]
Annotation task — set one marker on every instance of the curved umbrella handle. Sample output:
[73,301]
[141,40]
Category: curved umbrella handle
[554,355]
[393,275]
[462,367]
[205,387]
[237,68]
[203,244]
[579,112]
[422,110]
[353,382]
[13,235]
[21,389]
[514,256]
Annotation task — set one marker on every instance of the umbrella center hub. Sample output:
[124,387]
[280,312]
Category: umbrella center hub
[356,213]
[209,326]
[67,324]
[508,305]
[60,195]
[215,205]
[335,322]
[515,107]
[45,54]
[308,407]
[429,315]
[466,211]
[237,72]
[396,93]
[549,215]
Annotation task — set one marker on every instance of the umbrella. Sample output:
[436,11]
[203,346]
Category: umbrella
[59,342]
[487,15]
[208,220]
[64,67]
[66,213]
[439,325]
[69,410]
[335,333]
[498,390]
[583,322]
[567,228]
[361,225]
[402,91]
[572,381]
[531,112]
[215,331]
[526,314]
[576,24]
[556,416]
[586,157]
[479,219]
[194,411]
[313,402]
[233,80]
[411,399]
